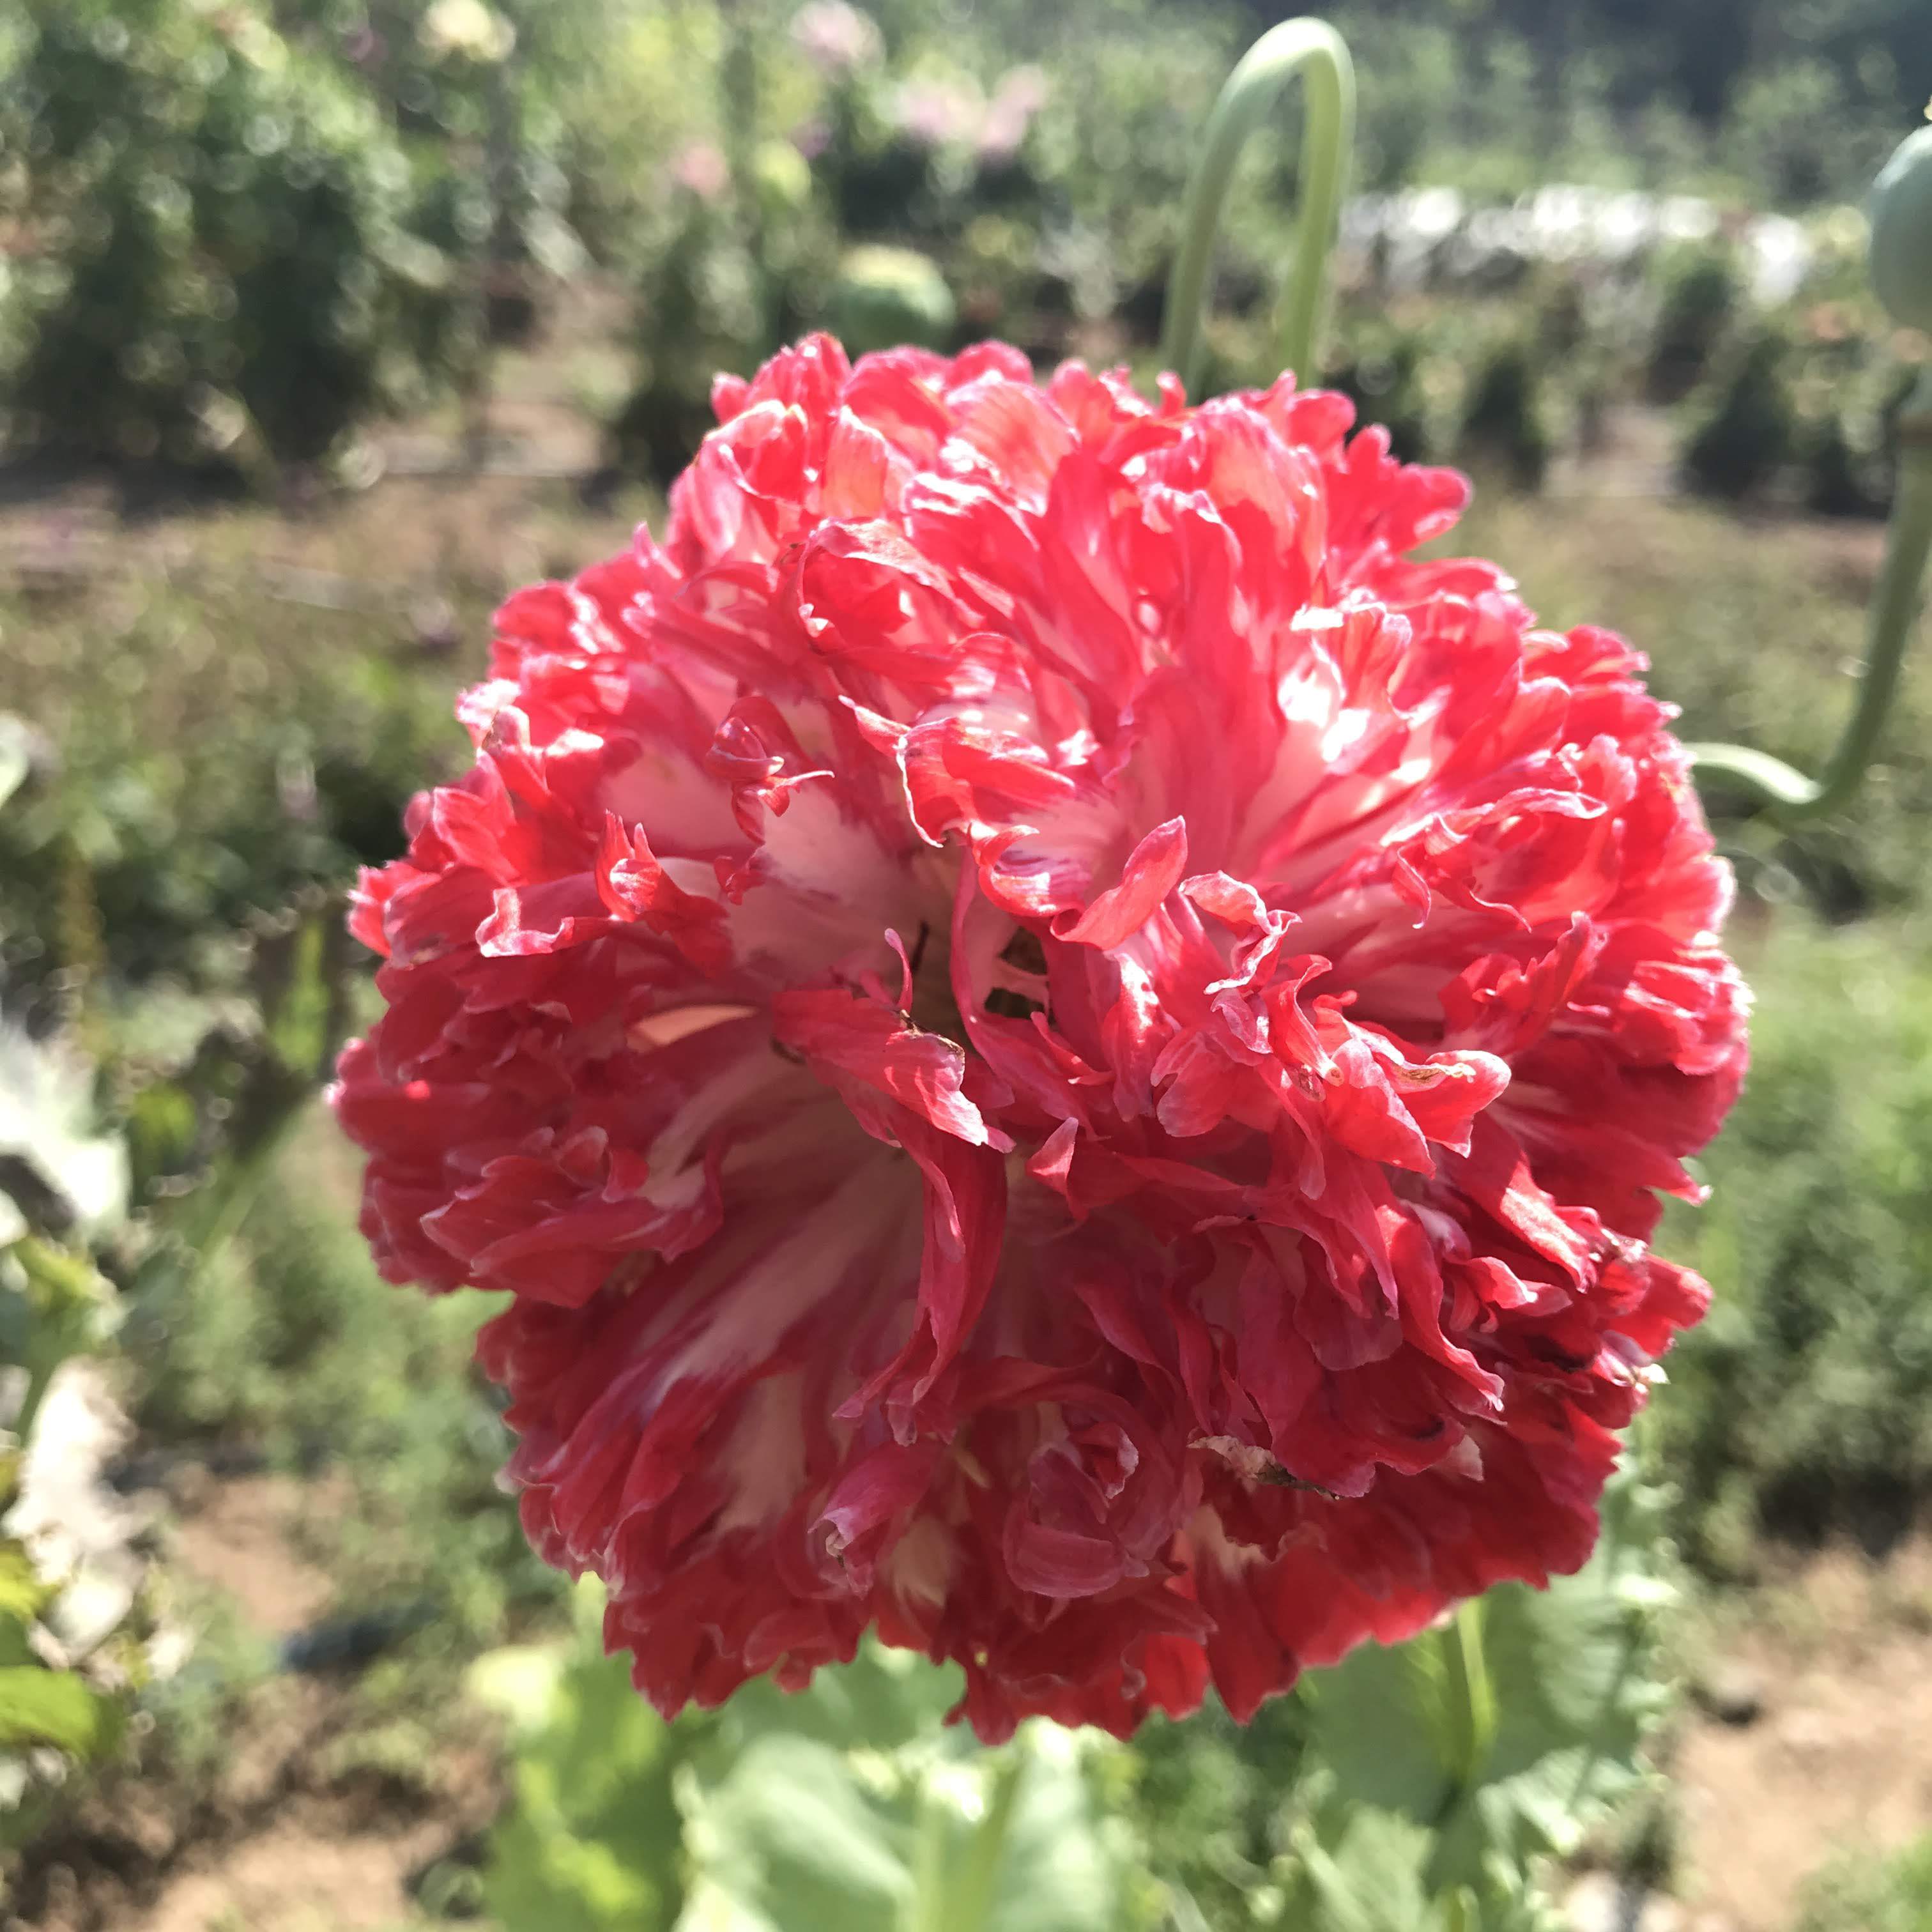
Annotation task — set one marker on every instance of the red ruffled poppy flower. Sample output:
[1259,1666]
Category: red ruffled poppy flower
[1064,1051]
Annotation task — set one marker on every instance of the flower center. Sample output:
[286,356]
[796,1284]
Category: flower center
[933,1008]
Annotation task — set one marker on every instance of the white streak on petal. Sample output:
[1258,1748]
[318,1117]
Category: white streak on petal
[764,1461]
[753,1310]
[919,1566]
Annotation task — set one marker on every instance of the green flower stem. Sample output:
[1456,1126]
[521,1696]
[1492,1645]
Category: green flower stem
[969,1908]
[1472,1697]
[1770,782]
[1312,49]
[926,1909]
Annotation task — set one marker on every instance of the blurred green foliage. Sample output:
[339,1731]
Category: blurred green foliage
[1505,424]
[152,842]
[73,1620]
[184,815]
[1749,428]
[220,263]
[1443,1770]
[1791,96]
[886,296]
[238,232]
[66,1665]
[1804,1403]
[1210,1800]
[1701,298]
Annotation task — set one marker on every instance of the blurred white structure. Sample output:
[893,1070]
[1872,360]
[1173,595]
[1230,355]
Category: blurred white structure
[1422,232]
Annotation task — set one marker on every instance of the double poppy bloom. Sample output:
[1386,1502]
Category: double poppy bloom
[1064,1051]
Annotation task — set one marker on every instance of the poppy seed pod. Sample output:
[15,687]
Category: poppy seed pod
[1901,232]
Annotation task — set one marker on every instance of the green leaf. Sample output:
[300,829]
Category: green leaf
[882,1700]
[593,1839]
[792,1837]
[1359,1870]
[1382,1725]
[852,1805]
[39,1706]
[1060,1870]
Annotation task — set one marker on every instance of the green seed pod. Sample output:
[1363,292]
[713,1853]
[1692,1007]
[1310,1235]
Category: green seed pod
[1901,232]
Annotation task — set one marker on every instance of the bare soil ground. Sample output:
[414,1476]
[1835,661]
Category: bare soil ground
[234,1535]
[286,1833]
[1839,1761]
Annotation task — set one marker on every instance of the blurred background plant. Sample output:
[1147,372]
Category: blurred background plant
[322,324]
[76,1640]
[236,235]
[216,261]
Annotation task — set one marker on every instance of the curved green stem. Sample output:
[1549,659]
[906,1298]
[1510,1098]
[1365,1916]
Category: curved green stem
[1313,50]
[1769,781]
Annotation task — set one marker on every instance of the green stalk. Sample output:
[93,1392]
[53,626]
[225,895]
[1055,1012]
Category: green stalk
[1770,782]
[970,1906]
[1312,49]
[1472,1696]
[926,1907]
